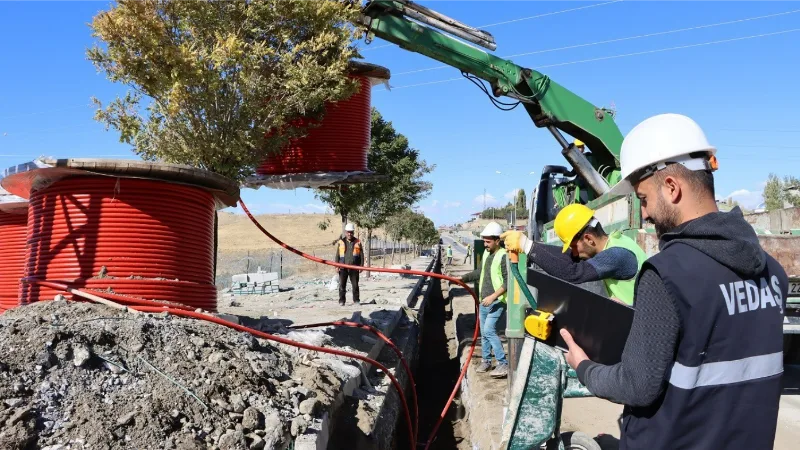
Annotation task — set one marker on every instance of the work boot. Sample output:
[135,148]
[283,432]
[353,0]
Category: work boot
[501,371]
[484,367]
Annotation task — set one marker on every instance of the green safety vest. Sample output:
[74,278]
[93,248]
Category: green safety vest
[496,272]
[449,251]
[623,289]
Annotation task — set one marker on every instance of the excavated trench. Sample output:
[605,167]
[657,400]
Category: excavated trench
[426,336]
[436,374]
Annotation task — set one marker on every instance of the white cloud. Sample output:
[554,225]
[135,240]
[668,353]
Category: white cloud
[452,204]
[434,203]
[747,199]
[511,195]
[489,198]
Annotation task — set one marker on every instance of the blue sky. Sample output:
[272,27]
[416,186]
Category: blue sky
[743,92]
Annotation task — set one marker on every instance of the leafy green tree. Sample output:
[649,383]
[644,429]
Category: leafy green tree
[222,80]
[773,197]
[504,212]
[521,199]
[395,229]
[370,204]
[779,191]
[414,227]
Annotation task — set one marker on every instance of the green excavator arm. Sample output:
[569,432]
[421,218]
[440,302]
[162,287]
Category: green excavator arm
[550,105]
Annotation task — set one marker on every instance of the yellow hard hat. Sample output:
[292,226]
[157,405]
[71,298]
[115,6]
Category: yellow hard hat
[570,221]
[578,143]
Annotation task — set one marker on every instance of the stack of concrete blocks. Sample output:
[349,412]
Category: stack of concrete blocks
[261,282]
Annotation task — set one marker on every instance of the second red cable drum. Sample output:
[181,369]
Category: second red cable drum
[13,228]
[339,144]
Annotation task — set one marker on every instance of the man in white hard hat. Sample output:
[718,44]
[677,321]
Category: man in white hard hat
[491,277]
[702,365]
[348,251]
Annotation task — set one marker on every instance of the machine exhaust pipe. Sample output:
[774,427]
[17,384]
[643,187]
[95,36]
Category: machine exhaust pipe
[580,164]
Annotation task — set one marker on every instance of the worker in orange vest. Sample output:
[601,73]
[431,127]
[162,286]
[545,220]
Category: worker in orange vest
[348,251]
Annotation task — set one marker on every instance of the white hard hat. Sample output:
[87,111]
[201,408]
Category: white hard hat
[493,229]
[658,140]
[349,227]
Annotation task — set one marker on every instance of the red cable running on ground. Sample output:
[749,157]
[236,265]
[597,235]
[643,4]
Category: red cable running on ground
[158,307]
[400,271]
[384,338]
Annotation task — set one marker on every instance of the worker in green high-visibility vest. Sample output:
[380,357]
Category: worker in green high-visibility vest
[492,277]
[595,255]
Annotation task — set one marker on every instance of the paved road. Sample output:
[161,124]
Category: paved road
[457,247]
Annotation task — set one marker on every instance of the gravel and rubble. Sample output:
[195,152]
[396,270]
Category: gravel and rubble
[79,375]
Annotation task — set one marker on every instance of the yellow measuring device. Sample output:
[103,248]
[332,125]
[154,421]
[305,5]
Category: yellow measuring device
[539,324]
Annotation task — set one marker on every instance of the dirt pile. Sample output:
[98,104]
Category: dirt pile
[77,375]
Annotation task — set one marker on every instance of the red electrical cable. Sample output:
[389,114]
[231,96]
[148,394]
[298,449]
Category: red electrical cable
[121,299]
[132,237]
[160,308]
[339,144]
[384,338]
[400,271]
[13,228]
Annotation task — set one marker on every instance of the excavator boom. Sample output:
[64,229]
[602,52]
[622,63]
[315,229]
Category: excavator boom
[550,105]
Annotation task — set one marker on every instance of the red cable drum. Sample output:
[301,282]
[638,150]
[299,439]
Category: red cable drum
[154,239]
[13,228]
[339,144]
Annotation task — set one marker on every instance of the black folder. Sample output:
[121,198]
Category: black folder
[598,324]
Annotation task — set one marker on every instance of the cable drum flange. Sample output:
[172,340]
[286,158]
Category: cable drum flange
[120,229]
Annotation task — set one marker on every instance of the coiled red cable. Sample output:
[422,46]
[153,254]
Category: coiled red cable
[131,237]
[339,144]
[13,228]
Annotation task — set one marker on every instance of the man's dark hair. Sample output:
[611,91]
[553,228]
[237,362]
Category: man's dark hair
[596,230]
[699,180]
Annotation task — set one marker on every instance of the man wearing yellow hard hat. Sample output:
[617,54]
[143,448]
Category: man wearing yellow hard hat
[593,254]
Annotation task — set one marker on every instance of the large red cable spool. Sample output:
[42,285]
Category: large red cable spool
[13,229]
[142,238]
[339,144]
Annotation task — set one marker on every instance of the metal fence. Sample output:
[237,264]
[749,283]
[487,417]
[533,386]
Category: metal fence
[286,263]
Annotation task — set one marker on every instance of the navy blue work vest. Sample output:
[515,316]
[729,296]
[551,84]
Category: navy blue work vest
[724,387]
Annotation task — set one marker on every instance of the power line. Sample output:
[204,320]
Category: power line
[758,130]
[369,48]
[624,55]
[548,14]
[647,52]
[44,112]
[764,146]
[376,47]
[515,20]
[628,38]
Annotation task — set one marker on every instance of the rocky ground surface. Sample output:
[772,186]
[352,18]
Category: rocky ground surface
[304,300]
[77,375]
